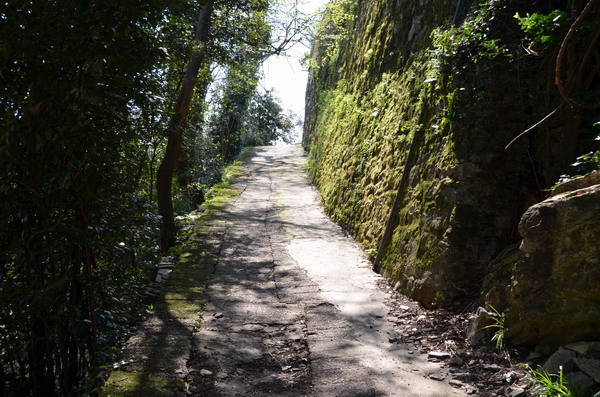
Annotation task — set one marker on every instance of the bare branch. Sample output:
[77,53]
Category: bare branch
[533,126]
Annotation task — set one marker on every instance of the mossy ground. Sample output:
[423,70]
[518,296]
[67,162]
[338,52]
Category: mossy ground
[134,384]
[179,309]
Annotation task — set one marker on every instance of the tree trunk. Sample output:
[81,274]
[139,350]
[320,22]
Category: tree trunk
[164,175]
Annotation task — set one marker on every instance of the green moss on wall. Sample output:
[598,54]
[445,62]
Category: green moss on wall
[358,155]
[466,192]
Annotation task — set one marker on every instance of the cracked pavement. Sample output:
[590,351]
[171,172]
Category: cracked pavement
[293,307]
[290,280]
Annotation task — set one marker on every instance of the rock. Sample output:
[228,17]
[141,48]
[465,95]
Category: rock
[533,356]
[580,380]
[168,261]
[438,377]
[455,361]
[476,333]
[205,372]
[517,392]
[590,179]
[499,273]
[554,294]
[464,376]
[510,377]
[438,355]
[562,358]
[251,327]
[584,348]
[163,274]
[492,367]
[589,366]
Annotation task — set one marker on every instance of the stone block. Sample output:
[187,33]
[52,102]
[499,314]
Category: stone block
[554,293]
[589,366]
[562,358]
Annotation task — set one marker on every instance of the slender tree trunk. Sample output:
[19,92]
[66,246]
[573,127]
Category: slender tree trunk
[164,175]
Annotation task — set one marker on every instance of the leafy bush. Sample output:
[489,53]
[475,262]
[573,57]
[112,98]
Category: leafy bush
[332,29]
[540,29]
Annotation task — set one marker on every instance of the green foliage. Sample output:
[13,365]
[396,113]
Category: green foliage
[233,100]
[86,95]
[267,122]
[371,253]
[585,163]
[458,48]
[499,324]
[81,94]
[591,159]
[230,172]
[544,350]
[199,168]
[437,298]
[226,111]
[240,30]
[540,29]
[240,39]
[550,385]
[334,26]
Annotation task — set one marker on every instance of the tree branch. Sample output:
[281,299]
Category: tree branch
[533,126]
[561,54]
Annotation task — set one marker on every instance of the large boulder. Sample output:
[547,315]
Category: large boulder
[554,292]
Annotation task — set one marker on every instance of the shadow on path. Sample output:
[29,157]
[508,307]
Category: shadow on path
[155,359]
[291,306]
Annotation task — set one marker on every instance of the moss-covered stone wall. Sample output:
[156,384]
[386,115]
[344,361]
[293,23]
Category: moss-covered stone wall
[466,192]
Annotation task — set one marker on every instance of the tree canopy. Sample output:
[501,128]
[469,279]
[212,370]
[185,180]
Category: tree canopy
[88,94]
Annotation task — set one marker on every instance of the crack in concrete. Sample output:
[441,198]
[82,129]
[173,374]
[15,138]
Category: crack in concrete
[347,335]
[290,309]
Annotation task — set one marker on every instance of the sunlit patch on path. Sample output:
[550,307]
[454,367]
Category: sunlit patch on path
[292,307]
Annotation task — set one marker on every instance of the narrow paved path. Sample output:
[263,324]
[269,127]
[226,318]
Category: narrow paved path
[290,279]
[293,308]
